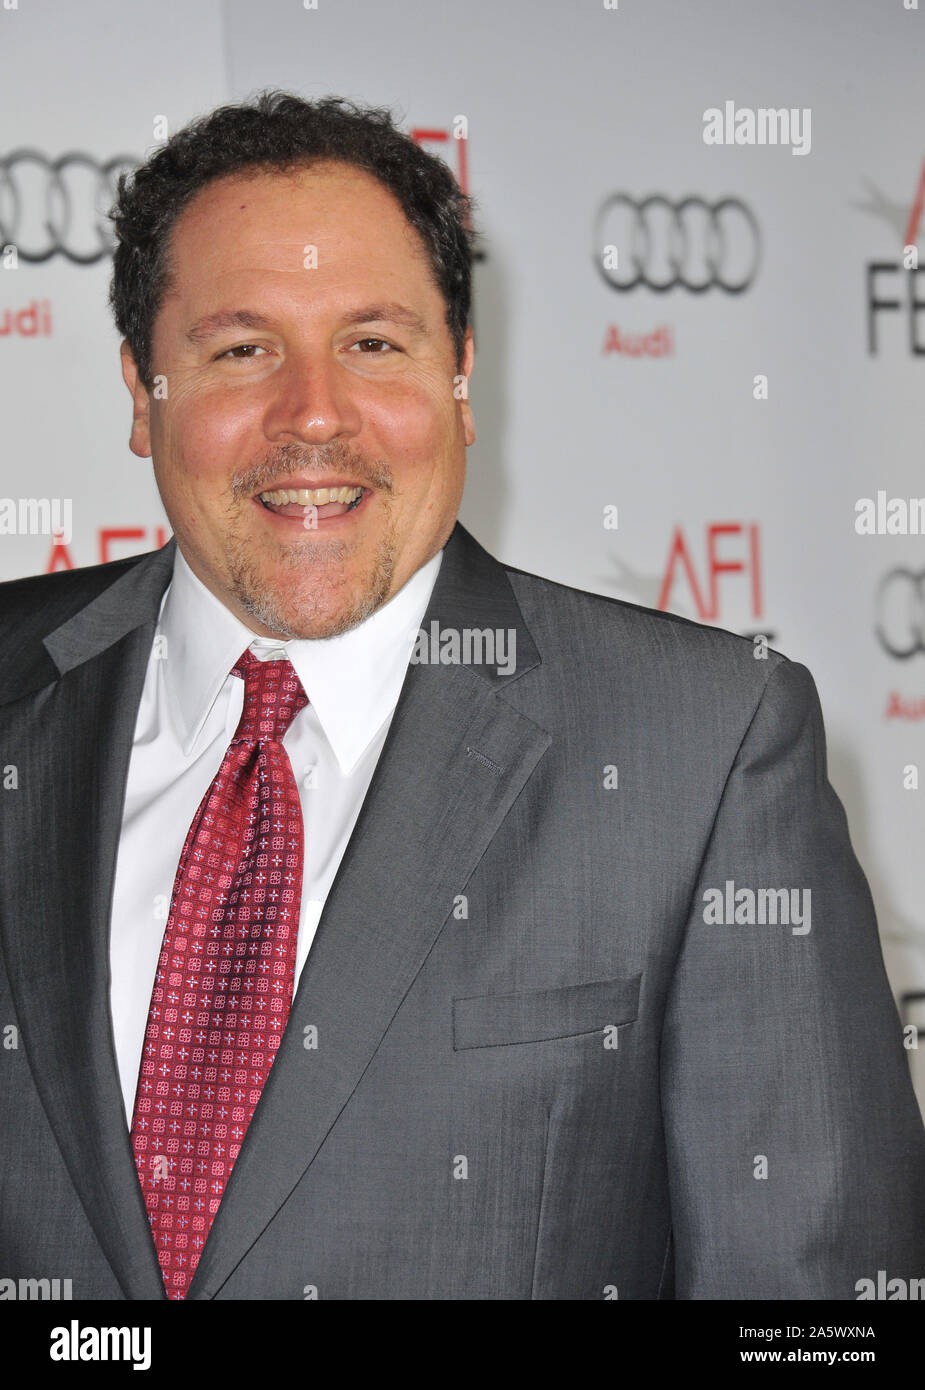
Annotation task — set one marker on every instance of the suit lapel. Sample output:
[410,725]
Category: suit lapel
[69,725]
[456,757]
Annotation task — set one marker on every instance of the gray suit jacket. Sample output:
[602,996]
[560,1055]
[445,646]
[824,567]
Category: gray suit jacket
[540,1072]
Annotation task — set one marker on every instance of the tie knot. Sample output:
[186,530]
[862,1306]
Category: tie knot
[273,696]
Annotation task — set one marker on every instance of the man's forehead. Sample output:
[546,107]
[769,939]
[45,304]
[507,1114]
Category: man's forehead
[319,192]
[278,221]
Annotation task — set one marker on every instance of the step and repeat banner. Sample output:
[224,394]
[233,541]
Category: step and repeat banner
[699,317]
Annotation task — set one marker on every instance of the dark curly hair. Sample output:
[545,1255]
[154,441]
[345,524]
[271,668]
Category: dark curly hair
[279,131]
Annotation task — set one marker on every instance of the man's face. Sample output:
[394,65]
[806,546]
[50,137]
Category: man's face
[303,344]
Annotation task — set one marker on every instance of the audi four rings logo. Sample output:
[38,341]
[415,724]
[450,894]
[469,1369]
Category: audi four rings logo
[57,207]
[901,613]
[691,245]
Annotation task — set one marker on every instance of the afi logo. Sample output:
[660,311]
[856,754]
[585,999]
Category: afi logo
[457,135]
[884,293]
[108,537]
[744,560]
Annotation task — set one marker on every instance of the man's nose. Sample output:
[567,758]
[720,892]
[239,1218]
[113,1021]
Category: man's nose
[311,401]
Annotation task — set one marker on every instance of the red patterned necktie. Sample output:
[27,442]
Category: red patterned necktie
[224,979]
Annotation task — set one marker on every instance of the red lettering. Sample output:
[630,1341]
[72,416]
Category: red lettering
[679,552]
[710,611]
[117,533]
[716,566]
[60,558]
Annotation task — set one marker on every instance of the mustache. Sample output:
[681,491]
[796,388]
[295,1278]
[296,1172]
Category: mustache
[333,459]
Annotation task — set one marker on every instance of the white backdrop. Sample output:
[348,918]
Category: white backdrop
[585,394]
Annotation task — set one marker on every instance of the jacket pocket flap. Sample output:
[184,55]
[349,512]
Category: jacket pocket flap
[489,1020]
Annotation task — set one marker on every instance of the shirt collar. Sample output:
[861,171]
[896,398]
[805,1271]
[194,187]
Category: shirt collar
[353,681]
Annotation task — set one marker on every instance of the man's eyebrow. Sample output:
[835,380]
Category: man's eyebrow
[224,319]
[388,313]
[207,327]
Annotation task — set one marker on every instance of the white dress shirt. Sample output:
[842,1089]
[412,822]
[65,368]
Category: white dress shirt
[189,710]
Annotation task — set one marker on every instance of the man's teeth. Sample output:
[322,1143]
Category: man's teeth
[312,497]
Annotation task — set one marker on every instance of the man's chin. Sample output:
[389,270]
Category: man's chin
[297,596]
[285,617]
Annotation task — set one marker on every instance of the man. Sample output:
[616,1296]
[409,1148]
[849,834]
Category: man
[379,921]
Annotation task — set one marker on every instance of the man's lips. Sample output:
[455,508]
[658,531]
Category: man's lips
[312,506]
[304,481]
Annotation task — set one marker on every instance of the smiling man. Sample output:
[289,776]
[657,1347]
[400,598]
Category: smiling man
[339,973]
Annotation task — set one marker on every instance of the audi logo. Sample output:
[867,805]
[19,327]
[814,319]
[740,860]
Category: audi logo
[691,245]
[57,207]
[901,613]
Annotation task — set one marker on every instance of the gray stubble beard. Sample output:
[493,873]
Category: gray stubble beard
[253,594]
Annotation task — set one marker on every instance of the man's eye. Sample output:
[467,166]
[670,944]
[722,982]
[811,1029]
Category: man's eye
[247,348]
[381,341]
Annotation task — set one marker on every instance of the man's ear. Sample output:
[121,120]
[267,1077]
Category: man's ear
[468,362]
[140,438]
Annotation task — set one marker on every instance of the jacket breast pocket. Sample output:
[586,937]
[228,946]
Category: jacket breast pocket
[494,1020]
